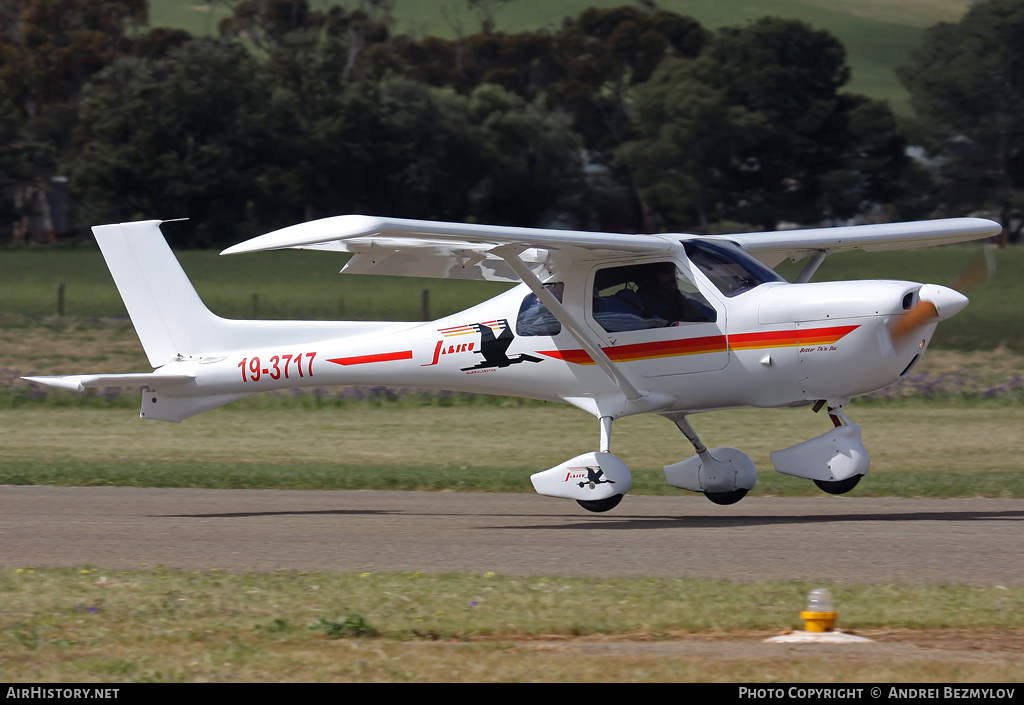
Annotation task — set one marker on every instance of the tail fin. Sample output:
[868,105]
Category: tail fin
[168,314]
[172,320]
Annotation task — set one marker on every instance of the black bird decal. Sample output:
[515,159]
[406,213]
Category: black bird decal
[495,349]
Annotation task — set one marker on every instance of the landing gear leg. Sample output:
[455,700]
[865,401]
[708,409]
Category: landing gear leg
[724,475]
[608,502]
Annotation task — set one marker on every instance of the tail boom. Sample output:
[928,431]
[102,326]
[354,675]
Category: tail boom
[179,333]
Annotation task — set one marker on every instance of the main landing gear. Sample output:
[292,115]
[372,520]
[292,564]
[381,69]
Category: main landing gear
[597,481]
[724,475]
[834,461]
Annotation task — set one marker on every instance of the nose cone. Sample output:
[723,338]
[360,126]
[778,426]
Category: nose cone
[947,302]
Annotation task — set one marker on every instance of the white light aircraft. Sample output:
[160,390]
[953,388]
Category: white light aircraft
[613,324]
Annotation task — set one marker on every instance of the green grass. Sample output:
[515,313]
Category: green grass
[151,624]
[407,447]
[878,34]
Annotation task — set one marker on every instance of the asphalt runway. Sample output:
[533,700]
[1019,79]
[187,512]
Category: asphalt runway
[856,540]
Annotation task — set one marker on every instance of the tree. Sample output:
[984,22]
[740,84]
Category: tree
[242,146]
[588,68]
[273,24]
[689,139]
[533,159]
[25,168]
[966,82]
[755,130]
[399,147]
[48,50]
[790,74]
[603,54]
[185,135]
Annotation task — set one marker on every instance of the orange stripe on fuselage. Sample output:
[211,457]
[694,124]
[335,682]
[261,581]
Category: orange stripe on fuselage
[789,338]
[708,344]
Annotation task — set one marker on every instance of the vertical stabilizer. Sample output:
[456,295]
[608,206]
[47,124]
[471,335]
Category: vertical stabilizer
[165,309]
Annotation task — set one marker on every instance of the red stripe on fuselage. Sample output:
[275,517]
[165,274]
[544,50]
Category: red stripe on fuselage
[379,357]
[708,344]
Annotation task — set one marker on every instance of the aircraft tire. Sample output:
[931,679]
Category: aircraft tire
[600,505]
[724,498]
[839,486]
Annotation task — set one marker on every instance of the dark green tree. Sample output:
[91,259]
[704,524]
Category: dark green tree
[757,131]
[790,74]
[587,68]
[48,50]
[689,139]
[26,166]
[401,148]
[966,82]
[242,146]
[186,135]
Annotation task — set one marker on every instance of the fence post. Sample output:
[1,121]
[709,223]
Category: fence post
[426,304]
[60,299]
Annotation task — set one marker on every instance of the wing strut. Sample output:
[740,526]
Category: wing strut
[813,262]
[510,253]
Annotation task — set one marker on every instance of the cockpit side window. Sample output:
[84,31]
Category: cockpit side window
[641,296]
[731,271]
[535,318]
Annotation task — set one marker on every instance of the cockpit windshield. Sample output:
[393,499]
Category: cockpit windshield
[731,270]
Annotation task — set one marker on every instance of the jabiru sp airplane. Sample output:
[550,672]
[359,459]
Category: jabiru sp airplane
[614,324]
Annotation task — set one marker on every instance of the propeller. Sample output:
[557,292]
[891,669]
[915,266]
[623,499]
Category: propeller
[940,302]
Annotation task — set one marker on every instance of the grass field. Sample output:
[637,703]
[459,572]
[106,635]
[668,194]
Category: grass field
[878,34]
[390,445]
[152,624]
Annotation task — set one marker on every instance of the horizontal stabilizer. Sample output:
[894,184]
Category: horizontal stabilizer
[79,383]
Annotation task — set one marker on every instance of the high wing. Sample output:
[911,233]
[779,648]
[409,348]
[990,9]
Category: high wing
[773,247]
[468,251]
[425,248]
